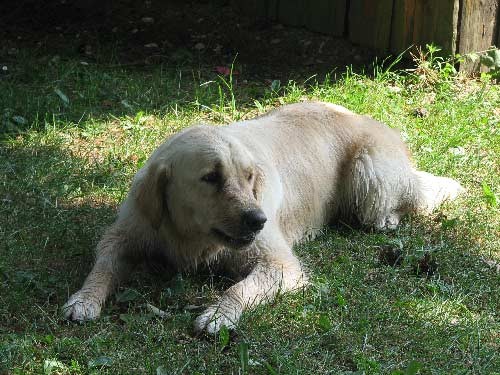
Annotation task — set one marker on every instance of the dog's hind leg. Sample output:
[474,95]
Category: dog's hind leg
[379,188]
[277,270]
[113,263]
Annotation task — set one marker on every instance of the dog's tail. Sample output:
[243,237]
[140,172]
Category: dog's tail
[434,190]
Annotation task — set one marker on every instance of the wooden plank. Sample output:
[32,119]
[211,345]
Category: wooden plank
[291,12]
[370,23]
[402,25]
[476,28]
[498,28]
[438,23]
[326,16]
[418,22]
[272,9]
[252,8]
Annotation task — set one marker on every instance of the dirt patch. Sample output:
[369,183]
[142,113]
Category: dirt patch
[203,34]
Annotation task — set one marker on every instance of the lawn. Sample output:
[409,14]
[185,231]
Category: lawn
[424,298]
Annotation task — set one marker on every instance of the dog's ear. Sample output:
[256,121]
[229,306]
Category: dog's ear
[258,183]
[151,193]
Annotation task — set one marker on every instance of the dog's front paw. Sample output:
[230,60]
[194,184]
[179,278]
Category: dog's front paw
[214,318]
[82,306]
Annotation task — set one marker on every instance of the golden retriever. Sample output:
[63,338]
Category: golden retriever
[244,194]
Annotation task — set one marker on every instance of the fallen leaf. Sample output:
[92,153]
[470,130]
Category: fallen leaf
[126,104]
[107,103]
[394,89]
[156,311]
[420,112]
[493,264]
[457,151]
[51,364]
[275,85]
[224,70]
[426,266]
[199,46]
[489,195]
[243,350]
[128,295]
[101,361]
[390,255]
[193,307]
[20,120]
[62,96]
[324,322]
[224,337]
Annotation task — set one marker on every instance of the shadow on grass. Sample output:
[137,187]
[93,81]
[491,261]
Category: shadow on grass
[53,213]
[49,237]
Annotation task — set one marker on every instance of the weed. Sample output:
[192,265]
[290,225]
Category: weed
[432,68]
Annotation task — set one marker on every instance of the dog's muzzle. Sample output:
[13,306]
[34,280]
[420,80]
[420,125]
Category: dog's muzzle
[236,242]
[252,222]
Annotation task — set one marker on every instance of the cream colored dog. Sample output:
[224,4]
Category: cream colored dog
[243,195]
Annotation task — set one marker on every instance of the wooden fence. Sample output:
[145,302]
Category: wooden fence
[457,26]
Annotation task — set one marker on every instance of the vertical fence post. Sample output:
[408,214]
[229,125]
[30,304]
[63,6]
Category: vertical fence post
[370,23]
[477,28]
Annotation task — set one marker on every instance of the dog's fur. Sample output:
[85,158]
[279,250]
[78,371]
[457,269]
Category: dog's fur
[203,194]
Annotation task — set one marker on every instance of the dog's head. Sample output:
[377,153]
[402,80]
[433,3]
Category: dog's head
[206,185]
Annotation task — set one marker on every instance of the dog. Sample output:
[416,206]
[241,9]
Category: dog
[243,195]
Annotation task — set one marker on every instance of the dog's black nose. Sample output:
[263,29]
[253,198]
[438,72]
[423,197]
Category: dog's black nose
[254,219]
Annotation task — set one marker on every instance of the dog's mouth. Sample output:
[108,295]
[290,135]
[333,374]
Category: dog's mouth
[241,241]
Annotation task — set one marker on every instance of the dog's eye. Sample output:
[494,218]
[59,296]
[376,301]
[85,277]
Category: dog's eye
[211,178]
[250,176]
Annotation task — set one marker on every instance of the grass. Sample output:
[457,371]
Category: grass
[421,299]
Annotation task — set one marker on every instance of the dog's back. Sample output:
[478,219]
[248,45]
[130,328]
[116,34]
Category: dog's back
[335,163]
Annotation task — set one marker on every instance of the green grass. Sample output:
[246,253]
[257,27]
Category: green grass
[74,135]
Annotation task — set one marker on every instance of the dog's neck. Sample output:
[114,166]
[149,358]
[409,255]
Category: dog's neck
[187,251]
